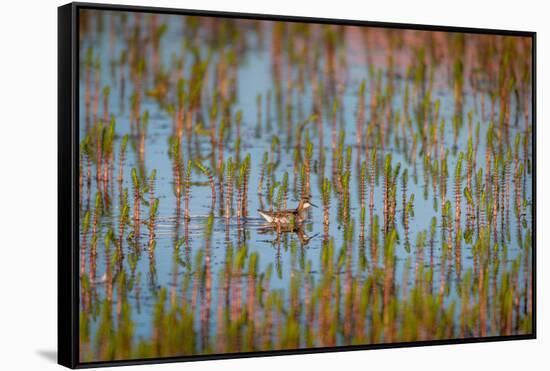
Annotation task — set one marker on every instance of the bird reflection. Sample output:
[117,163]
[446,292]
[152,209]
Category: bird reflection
[281,230]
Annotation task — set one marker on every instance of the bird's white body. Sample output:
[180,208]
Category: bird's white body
[285,216]
[267,217]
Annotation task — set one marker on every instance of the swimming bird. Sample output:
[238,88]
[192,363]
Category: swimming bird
[283,217]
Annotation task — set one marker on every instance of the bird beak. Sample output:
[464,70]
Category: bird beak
[313,205]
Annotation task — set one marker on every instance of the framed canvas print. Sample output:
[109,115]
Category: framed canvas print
[236,185]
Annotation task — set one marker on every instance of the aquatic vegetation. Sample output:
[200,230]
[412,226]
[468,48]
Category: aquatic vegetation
[229,187]
[206,171]
[153,210]
[187,192]
[417,145]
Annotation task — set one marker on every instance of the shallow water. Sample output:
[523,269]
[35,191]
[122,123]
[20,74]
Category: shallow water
[179,298]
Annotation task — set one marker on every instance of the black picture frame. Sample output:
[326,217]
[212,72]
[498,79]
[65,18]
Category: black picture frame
[68,147]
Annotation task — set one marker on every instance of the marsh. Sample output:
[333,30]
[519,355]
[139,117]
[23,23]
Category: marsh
[415,145]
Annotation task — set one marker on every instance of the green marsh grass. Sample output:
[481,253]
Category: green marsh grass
[435,130]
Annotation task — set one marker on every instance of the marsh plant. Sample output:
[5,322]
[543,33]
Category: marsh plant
[417,147]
